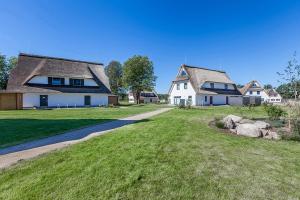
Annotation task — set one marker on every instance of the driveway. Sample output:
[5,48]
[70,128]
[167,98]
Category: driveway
[13,154]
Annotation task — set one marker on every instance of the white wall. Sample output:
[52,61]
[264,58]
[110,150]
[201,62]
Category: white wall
[218,100]
[90,82]
[262,94]
[183,93]
[218,85]
[39,80]
[64,99]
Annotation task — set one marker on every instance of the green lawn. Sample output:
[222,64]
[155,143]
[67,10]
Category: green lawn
[19,126]
[175,155]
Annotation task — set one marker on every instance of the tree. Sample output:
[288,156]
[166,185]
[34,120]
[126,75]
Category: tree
[239,86]
[138,75]
[114,72]
[286,90]
[268,86]
[6,65]
[291,75]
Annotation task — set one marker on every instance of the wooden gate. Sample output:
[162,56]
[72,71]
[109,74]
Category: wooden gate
[11,101]
[113,100]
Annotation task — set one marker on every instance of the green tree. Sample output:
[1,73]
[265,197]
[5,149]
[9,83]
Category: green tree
[114,72]
[286,90]
[268,86]
[138,75]
[6,65]
[291,75]
[239,86]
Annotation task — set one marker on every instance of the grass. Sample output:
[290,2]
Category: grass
[175,155]
[20,126]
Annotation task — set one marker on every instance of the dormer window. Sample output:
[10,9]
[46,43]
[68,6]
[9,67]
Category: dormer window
[226,86]
[212,85]
[76,82]
[56,81]
[183,73]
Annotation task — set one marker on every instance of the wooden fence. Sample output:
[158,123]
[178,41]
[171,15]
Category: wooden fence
[11,101]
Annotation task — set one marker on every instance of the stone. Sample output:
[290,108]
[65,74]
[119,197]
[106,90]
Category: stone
[264,132]
[232,130]
[230,121]
[262,125]
[274,135]
[249,130]
[246,121]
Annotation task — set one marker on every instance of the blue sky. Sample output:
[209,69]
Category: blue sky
[247,39]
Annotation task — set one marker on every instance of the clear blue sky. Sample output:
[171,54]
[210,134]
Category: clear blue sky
[248,39]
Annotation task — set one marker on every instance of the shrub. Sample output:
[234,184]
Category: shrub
[181,105]
[274,112]
[220,124]
[189,104]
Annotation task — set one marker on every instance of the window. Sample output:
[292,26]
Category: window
[205,98]
[226,86]
[76,82]
[277,99]
[178,86]
[250,92]
[212,85]
[183,73]
[258,92]
[56,81]
[185,85]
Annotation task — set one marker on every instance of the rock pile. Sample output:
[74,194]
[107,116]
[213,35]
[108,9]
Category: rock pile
[249,128]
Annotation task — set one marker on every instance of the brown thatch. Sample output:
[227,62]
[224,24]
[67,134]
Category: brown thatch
[199,75]
[249,85]
[34,65]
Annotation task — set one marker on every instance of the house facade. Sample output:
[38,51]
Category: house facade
[145,97]
[255,89]
[57,82]
[201,86]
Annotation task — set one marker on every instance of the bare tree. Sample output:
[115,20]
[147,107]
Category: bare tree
[291,74]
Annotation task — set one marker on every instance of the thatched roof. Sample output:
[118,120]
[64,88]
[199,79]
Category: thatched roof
[35,65]
[199,75]
[249,85]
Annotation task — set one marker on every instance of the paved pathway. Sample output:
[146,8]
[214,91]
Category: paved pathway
[12,155]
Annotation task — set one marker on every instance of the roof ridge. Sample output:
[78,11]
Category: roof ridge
[221,71]
[58,58]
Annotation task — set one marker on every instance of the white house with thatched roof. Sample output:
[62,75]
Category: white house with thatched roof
[202,86]
[58,82]
[255,89]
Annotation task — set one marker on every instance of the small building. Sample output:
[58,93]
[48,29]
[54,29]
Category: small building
[201,86]
[255,89]
[58,82]
[145,97]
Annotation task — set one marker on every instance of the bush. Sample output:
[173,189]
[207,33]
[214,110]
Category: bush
[220,124]
[274,112]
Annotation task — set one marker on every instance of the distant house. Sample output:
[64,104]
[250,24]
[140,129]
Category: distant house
[145,97]
[57,82]
[202,86]
[255,89]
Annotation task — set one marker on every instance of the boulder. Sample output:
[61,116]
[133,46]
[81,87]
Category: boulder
[264,132]
[249,130]
[274,135]
[246,121]
[262,125]
[232,130]
[230,121]
[234,118]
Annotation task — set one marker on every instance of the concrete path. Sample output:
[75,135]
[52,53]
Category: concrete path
[12,155]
